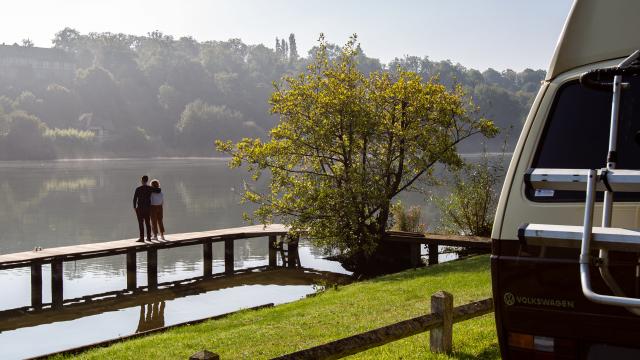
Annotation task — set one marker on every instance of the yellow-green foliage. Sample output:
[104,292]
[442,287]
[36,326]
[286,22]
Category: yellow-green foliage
[70,133]
[347,143]
[334,314]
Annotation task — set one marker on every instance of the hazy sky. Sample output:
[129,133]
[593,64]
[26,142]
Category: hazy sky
[476,33]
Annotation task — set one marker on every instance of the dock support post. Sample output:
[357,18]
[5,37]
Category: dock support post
[414,254]
[273,255]
[132,278]
[440,338]
[152,268]
[36,285]
[292,251]
[207,256]
[228,256]
[433,254]
[56,284]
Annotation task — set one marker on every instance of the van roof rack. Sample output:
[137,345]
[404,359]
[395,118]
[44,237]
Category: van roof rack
[616,180]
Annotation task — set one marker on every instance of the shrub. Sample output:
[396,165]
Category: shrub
[406,219]
[470,208]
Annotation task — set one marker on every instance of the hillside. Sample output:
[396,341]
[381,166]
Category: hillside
[119,95]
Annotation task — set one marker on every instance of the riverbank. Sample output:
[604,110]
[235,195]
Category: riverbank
[333,314]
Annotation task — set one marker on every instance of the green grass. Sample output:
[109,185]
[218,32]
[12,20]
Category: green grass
[333,315]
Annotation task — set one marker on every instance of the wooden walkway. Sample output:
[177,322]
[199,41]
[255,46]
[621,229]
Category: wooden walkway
[129,247]
[85,251]
[434,240]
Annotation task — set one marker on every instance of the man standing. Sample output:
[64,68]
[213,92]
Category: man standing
[142,206]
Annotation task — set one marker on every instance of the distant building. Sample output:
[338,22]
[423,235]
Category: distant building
[20,61]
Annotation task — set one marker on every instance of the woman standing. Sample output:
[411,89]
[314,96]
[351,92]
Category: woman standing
[157,199]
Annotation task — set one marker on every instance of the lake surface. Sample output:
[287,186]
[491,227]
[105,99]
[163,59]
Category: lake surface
[49,204]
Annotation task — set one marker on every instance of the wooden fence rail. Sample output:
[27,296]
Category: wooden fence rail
[439,322]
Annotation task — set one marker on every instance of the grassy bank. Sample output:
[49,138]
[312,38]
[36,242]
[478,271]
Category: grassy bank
[334,314]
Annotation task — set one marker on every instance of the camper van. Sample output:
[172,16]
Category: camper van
[566,237]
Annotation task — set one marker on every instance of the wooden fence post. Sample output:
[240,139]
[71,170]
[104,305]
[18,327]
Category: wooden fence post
[441,337]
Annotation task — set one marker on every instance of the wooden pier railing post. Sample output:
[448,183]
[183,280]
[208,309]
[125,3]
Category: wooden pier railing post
[152,268]
[292,251]
[207,258]
[415,254]
[441,337]
[228,256]
[433,254]
[132,271]
[36,285]
[57,296]
[273,251]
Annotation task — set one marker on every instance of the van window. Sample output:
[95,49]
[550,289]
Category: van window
[576,136]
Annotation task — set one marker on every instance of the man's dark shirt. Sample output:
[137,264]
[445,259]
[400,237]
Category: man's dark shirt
[142,196]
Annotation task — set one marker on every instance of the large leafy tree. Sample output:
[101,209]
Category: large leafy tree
[346,144]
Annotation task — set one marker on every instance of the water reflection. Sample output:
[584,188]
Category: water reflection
[151,317]
[76,202]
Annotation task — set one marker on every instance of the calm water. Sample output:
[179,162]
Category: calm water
[73,202]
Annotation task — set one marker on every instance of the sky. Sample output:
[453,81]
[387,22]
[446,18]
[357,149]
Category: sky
[480,34]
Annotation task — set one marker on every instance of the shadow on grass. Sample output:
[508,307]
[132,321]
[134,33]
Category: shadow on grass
[465,265]
[490,352]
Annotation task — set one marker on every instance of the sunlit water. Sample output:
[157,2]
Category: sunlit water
[74,202]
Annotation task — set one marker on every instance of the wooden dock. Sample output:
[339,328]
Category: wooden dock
[434,240]
[129,247]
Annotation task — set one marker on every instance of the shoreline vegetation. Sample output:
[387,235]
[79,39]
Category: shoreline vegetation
[209,158]
[337,312]
[115,94]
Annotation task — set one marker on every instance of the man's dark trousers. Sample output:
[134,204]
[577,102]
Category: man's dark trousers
[142,204]
[144,216]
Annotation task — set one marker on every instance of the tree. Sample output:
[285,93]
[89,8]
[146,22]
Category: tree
[278,49]
[27,101]
[60,106]
[293,49]
[346,145]
[284,49]
[25,139]
[27,43]
[201,122]
[66,39]
[100,95]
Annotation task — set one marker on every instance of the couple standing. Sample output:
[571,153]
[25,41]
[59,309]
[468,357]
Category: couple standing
[147,203]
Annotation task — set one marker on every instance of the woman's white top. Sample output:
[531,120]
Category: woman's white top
[157,198]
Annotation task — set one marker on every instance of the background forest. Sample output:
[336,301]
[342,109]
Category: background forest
[118,95]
